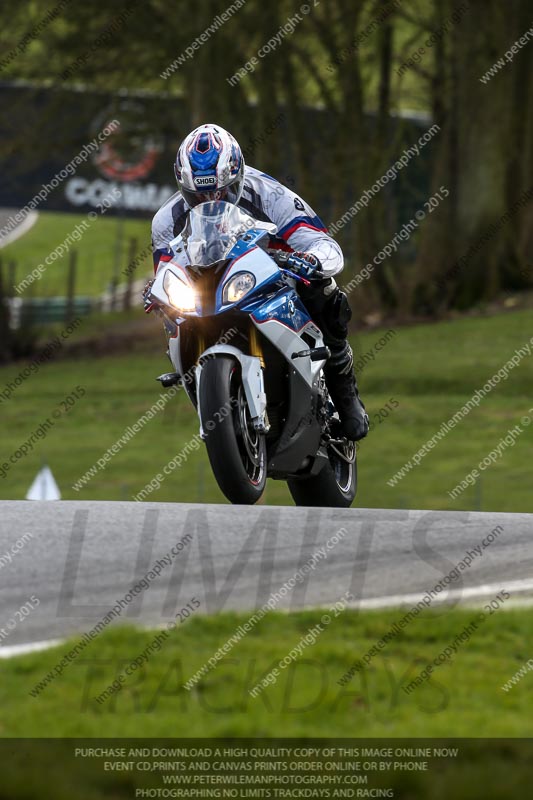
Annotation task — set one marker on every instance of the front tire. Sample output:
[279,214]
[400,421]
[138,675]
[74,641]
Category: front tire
[335,486]
[237,452]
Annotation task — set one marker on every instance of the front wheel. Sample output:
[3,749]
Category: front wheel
[335,486]
[237,452]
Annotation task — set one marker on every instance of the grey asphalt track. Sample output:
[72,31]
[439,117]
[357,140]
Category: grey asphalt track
[84,556]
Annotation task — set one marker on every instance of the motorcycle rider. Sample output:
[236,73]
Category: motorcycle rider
[210,166]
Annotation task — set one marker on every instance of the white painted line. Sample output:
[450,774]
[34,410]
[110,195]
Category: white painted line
[468,593]
[28,222]
[392,601]
[33,647]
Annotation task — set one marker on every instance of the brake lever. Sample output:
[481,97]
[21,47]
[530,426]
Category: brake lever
[295,275]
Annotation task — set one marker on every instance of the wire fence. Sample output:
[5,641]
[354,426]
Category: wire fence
[121,292]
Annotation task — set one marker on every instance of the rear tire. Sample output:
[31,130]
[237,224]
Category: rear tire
[236,451]
[335,486]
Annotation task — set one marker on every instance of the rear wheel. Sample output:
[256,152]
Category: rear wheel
[237,452]
[335,486]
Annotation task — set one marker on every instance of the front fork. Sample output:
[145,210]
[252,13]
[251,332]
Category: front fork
[255,345]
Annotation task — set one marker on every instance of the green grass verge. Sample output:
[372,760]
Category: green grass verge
[462,698]
[430,370]
[96,251]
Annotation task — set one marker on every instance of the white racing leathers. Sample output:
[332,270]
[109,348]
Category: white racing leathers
[266,199]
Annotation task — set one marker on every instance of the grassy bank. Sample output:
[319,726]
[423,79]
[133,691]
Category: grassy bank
[96,249]
[462,698]
[430,371]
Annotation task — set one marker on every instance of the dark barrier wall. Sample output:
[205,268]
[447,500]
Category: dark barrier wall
[55,149]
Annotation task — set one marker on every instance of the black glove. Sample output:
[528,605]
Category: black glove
[148,303]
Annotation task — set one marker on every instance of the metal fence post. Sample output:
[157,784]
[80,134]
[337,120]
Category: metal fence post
[71,287]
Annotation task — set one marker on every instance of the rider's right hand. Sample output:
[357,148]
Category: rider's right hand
[148,303]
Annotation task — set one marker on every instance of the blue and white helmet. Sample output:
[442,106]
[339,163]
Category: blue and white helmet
[210,166]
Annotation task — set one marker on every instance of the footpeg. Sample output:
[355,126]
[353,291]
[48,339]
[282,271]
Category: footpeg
[169,379]
[315,354]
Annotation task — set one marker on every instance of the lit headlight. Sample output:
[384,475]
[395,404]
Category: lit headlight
[237,287]
[181,296]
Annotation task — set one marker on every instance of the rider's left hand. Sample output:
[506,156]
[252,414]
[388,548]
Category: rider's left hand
[305,264]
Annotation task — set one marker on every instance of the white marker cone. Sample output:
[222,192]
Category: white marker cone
[44,486]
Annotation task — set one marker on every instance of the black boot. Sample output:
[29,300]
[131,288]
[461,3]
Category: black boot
[331,311]
[342,387]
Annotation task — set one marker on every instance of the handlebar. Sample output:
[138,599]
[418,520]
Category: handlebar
[288,264]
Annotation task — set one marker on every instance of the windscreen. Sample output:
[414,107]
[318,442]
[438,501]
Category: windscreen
[213,229]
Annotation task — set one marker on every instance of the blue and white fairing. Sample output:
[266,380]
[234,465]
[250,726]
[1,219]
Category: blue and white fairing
[247,257]
[218,232]
[280,316]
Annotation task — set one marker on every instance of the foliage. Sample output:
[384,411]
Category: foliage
[346,57]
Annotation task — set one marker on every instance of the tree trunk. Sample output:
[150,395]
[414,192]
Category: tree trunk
[485,127]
